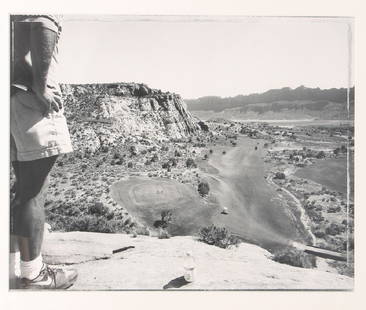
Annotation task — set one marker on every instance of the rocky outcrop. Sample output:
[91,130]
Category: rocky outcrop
[152,263]
[103,115]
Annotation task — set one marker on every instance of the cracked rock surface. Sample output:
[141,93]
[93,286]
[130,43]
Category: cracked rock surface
[147,263]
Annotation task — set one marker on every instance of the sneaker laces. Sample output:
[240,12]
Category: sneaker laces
[52,273]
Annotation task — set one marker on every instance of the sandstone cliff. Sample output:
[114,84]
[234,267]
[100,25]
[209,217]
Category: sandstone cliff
[103,115]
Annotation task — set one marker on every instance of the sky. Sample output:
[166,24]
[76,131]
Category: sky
[201,56]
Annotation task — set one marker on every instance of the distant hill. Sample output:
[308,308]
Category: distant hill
[298,103]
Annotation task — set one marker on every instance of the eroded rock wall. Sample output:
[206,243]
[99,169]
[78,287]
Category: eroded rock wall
[103,115]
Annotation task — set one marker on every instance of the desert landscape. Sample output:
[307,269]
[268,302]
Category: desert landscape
[149,172]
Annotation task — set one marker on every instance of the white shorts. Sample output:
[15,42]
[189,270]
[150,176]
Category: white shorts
[34,135]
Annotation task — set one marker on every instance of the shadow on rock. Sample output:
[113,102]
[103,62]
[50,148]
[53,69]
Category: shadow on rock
[176,283]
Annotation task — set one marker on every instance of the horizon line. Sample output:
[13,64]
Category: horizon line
[173,92]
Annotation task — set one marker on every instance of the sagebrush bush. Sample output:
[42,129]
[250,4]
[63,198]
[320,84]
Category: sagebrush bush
[91,223]
[98,208]
[203,188]
[294,257]
[218,236]
[166,219]
[190,163]
[163,234]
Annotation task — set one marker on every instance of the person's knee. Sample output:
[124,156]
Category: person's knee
[27,209]
[27,217]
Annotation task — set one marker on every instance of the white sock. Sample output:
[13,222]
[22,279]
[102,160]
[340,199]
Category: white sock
[31,269]
[14,265]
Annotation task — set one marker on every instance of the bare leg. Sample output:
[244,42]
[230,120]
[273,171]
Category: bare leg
[28,210]
[13,238]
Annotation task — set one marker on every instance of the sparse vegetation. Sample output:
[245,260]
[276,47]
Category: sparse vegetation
[280,176]
[218,236]
[190,163]
[163,234]
[166,219]
[203,188]
[294,257]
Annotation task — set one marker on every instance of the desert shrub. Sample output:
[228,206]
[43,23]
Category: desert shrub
[190,163]
[315,216]
[110,215]
[319,233]
[280,176]
[294,257]
[320,155]
[133,150]
[203,188]
[142,230]
[223,152]
[173,162]
[92,223]
[163,234]
[345,268]
[155,158]
[104,149]
[334,229]
[177,153]
[119,161]
[334,209]
[97,208]
[218,236]
[72,211]
[130,164]
[199,144]
[166,219]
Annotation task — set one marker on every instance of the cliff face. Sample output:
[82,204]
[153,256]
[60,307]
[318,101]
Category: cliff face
[103,115]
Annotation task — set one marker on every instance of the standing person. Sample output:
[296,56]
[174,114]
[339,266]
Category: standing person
[39,134]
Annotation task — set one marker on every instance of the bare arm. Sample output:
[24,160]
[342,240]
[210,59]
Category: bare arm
[42,45]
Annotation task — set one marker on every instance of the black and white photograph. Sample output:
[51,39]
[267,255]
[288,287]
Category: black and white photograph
[181,152]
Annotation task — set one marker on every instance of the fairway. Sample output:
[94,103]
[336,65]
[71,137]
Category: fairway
[331,173]
[255,212]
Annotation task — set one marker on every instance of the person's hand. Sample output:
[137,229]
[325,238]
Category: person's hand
[50,99]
